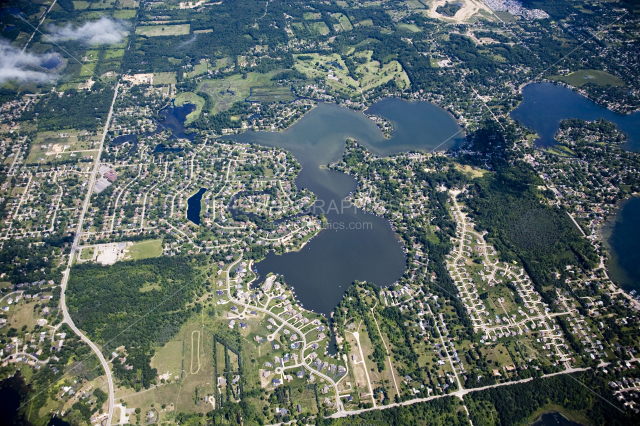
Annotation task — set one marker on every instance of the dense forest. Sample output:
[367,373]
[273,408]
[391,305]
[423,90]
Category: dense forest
[73,109]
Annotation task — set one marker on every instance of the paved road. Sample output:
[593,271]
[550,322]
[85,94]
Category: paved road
[67,272]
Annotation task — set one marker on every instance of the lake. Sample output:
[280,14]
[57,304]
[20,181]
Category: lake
[621,236]
[356,245]
[544,105]
[173,120]
[194,206]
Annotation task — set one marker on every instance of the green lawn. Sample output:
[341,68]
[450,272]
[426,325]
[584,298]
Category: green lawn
[579,78]
[87,253]
[145,249]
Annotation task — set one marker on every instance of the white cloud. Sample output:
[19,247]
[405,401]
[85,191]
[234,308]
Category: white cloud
[17,65]
[103,31]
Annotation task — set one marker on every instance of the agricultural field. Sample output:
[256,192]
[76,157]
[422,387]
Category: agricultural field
[163,30]
[582,77]
[226,92]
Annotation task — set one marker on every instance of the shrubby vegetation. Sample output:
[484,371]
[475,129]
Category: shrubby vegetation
[135,304]
[514,404]
[443,411]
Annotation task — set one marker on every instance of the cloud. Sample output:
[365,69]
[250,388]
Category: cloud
[17,65]
[188,42]
[104,31]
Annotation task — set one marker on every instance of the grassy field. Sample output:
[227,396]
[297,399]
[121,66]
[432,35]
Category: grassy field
[198,69]
[124,14]
[80,5]
[319,28]
[113,53]
[226,92]
[87,253]
[345,24]
[561,150]
[579,78]
[145,249]
[104,4]
[271,94]
[162,78]
[190,98]
[88,69]
[187,358]
[163,30]
[408,27]
[473,172]
[310,16]
[51,146]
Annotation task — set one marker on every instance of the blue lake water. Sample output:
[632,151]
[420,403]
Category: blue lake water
[358,246]
[194,206]
[173,120]
[622,237]
[546,104]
